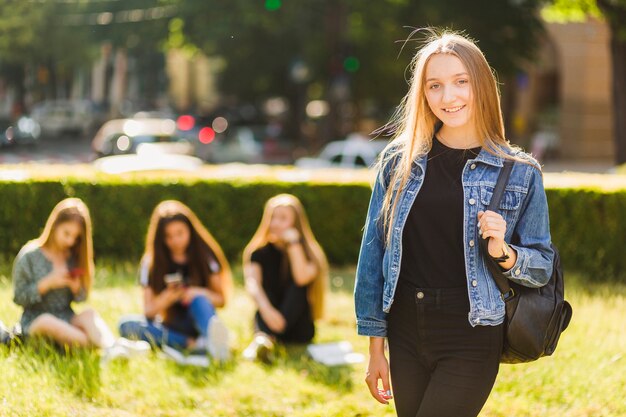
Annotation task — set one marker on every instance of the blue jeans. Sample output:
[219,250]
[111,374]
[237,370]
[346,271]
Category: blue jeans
[139,327]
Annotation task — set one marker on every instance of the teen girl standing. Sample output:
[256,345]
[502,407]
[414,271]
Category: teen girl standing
[422,282]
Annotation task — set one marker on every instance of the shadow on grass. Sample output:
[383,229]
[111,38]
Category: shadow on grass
[198,376]
[76,370]
[297,358]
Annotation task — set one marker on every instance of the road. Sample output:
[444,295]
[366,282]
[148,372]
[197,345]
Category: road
[60,150]
[73,150]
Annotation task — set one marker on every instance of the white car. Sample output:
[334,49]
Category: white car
[57,117]
[349,153]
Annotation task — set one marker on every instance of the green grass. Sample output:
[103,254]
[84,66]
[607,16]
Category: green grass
[586,376]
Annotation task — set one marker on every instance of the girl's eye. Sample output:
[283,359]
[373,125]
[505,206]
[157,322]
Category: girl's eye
[462,81]
[434,86]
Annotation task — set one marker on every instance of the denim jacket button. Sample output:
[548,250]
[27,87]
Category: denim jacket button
[474,283]
[471,243]
[472,201]
[473,166]
[518,271]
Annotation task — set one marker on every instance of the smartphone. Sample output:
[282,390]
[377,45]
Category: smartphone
[175,278]
[76,272]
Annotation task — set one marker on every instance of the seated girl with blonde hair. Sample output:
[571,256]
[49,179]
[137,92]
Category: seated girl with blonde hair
[286,274]
[57,269]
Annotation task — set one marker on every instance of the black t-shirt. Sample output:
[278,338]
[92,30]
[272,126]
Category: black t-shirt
[432,240]
[288,298]
[276,272]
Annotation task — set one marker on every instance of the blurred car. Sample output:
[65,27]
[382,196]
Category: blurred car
[219,139]
[118,164]
[239,144]
[349,153]
[75,117]
[135,136]
[23,131]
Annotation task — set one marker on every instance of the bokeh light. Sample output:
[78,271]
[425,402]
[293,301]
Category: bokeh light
[317,108]
[272,5]
[123,143]
[185,122]
[206,135]
[351,64]
[220,124]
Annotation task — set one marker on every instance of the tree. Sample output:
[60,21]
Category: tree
[52,38]
[345,41]
[614,11]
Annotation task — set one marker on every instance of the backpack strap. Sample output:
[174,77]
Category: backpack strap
[501,281]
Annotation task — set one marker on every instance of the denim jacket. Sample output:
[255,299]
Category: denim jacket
[523,206]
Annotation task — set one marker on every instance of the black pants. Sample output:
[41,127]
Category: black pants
[294,307]
[440,365]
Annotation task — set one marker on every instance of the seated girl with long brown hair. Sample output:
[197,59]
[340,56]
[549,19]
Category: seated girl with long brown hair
[57,269]
[185,277]
[286,274]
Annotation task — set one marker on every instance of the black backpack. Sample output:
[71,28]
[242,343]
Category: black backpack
[535,317]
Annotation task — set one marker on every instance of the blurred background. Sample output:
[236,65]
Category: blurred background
[304,82]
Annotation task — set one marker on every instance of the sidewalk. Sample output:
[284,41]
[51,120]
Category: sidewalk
[584,166]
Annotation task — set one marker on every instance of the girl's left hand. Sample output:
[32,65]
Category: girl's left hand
[75,284]
[492,225]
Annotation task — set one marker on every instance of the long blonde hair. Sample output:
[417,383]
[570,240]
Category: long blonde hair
[72,210]
[317,289]
[414,123]
[202,246]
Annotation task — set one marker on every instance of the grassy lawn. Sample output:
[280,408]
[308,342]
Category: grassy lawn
[586,377]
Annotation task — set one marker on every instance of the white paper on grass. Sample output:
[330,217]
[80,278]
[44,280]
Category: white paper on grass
[181,359]
[334,354]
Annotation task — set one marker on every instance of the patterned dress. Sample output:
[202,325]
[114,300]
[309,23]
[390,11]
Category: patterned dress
[30,266]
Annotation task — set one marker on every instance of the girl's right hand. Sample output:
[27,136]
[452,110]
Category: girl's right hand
[274,320]
[173,293]
[378,369]
[59,278]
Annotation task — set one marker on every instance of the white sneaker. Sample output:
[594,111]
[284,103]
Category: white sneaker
[113,352]
[178,357]
[133,347]
[261,348]
[124,348]
[217,345]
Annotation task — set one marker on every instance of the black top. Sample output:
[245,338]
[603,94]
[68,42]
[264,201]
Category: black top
[283,293]
[432,239]
[178,317]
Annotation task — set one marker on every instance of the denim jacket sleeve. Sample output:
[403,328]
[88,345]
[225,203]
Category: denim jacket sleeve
[531,237]
[371,320]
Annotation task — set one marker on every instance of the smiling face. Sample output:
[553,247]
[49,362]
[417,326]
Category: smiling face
[283,218]
[448,91]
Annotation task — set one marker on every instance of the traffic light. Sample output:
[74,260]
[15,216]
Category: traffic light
[272,5]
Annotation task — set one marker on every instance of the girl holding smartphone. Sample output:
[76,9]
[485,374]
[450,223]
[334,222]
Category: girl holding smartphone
[55,270]
[185,278]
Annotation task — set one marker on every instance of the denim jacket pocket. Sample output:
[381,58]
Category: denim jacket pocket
[509,205]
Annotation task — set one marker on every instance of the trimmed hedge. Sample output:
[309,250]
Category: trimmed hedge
[588,225]
[231,210]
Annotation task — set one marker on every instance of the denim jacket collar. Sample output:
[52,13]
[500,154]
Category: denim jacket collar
[484,156]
